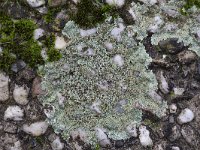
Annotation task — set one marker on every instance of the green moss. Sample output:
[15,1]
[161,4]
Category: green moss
[49,17]
[189,4]
[90,13]
[16,39]
[52,53]
[24,29]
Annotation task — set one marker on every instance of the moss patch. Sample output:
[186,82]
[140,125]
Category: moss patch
[91,12]
[189,4]
[16,39]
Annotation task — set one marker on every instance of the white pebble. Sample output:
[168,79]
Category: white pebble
[88,32]
[36,129]
[178,91]
[14,113]
[185,116]
[132,13]
[144,136]
[118,60]
[80,134]
[36,3]
[175,148]
[118,3]
[155,26]
[57,144]
[38,33]
[60,43]
[61,99]
[108,45]
[4,87]
[172,108]
[102,138]
[20,95]
[116,32]
[149,2]
[132,130]
[95,107]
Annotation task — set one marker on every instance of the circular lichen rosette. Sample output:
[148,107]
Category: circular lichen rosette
[97,84]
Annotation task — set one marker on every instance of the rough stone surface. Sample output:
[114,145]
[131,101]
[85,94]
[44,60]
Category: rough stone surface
[10,127]
[191,136]
[54,3]
[4,87]
[36,3]
[36,129]
[20,94]
[185,116]
[14,113]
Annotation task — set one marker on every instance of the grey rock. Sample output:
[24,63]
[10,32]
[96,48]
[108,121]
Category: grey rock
[10,127]
[55,3]
[190,136]
[36,3]
[19,65]
[175,133]
[4,86]
[36,87]
[186,57]
[171,46]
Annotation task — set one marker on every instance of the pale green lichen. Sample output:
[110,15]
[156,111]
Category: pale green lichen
[86,75]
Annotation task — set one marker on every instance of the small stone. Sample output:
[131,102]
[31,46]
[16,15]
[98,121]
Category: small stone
[175,148]
[10,127]
[190,136]
[172,108]
[36,87]
[4,87]
[163,84]
[187,57]
[79,134]
[60,43]
[88,32]
[57,144]
[178,91]
[198,34]
[171,46]
[144,136]
[20,95]
[118,3]
[36,3]
[132,130]
[36,129]
[19,65]
[14,113]
[55,3]
[175,133]
[42,10]
[102,138]
[171,119]
[119,143]
[185,116]
[38,33]
[118,60]
[108,46]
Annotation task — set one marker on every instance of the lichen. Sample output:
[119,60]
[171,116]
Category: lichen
[97,92]
[91,88]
